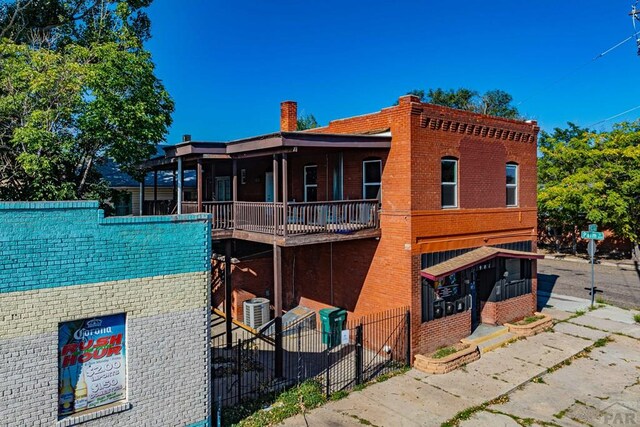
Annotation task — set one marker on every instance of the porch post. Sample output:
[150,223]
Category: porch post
[142,195]
[275,195]
[234,191]
[180,179]
[199,183]
[155,187]
[277,279]
[277,250]
[212,190]
[227,292]
[175,191]
[285,193]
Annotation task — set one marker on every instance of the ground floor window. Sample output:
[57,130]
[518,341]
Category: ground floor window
[91,363]
[515,279]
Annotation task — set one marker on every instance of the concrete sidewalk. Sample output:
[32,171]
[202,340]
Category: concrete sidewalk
[419,399]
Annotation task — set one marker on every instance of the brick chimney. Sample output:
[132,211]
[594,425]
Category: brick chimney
[288,116]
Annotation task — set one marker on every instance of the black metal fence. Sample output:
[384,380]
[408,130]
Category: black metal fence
[261,365]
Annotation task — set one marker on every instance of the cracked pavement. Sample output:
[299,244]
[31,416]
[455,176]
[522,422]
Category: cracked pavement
[549,379]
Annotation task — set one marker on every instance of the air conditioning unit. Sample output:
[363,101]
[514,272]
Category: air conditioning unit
[256,312]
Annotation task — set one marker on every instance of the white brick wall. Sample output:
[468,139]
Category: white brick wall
[167,349]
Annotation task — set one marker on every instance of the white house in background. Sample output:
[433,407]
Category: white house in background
[128,201]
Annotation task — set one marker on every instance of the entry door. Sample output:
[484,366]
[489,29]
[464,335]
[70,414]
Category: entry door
[268,187]
[223,188]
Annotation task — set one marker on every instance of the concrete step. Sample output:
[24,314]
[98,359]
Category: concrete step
[498,331]
[496,342]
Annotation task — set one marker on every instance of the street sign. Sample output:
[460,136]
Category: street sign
[597,235]
[591,248]
[593,234]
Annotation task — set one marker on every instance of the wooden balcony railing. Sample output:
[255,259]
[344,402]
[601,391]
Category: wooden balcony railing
[341,217]
[221,213]
[261,217]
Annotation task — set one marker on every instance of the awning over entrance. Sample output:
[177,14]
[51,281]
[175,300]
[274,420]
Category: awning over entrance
[472,258]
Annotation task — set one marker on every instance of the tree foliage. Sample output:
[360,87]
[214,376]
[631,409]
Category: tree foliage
[76,87]
[306,121]
[494,102]
[586,176]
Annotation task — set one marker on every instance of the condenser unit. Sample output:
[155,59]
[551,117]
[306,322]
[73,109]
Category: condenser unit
[256,312]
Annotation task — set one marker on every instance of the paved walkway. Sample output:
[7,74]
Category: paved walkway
[593,389]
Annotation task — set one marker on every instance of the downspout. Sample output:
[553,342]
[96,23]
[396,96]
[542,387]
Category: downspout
[331,270]
[180,183]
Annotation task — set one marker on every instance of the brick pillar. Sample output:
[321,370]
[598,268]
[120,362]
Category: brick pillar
[288,116]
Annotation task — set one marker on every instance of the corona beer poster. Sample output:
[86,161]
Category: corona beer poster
[91,363]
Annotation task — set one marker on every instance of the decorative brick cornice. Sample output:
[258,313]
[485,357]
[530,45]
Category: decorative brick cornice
[477,129]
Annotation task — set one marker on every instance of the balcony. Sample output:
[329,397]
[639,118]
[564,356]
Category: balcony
[289,224]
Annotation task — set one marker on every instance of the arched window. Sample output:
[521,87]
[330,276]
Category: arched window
[449,182]
[512,184]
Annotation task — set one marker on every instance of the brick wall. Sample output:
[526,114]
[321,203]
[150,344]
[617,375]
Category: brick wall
[437,333]
[63,261]
[412,220]
[512,309]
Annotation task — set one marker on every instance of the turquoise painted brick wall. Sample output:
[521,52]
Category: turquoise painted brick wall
[51,244]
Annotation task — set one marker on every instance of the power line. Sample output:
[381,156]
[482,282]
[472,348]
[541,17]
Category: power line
[579,68]
[616,46]
[613,117]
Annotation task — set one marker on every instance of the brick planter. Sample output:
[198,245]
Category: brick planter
[448,363]
[532,328]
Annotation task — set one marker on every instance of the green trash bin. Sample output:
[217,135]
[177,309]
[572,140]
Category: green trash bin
[332,320]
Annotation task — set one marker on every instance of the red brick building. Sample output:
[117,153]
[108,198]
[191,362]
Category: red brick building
[415,205]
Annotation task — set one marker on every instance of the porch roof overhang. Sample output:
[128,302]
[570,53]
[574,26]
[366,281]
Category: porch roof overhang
[471,258]
[264,145]
[306,139]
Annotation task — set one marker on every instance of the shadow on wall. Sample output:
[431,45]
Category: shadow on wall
[328,275]
[546,283]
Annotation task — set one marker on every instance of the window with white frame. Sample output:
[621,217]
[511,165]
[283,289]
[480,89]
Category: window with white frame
[311,183]
[371,179]
[449,181]
[512,184]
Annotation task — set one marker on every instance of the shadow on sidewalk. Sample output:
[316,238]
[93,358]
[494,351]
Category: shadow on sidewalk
[546,282]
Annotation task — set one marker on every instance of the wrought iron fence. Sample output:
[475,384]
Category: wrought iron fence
[260,365]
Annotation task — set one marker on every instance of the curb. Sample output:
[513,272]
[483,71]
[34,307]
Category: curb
[621,266]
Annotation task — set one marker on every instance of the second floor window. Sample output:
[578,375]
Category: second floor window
[371,179]
[311,183]
[449,180]
[512,184]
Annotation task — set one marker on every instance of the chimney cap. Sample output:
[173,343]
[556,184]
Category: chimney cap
[407,99]
[186,137]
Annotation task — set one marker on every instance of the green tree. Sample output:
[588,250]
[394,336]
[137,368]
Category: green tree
[462,99]
[306,121]
[76,87]
[587,176]
[494,102]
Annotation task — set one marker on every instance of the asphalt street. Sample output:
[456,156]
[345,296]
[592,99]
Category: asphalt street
[620,287]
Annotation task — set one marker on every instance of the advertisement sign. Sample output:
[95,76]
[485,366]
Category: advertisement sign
[91,361]
[448,291]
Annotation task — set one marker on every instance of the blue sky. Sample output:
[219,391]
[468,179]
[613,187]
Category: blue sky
[229,64]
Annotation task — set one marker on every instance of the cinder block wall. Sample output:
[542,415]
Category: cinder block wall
[62,261]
